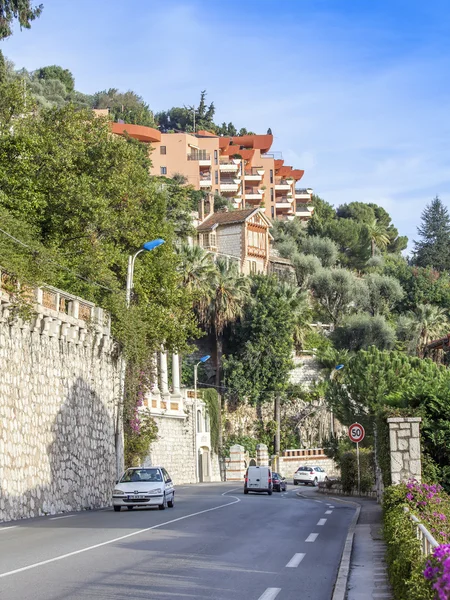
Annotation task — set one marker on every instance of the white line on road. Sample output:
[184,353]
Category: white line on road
[65,517]
[321,522]
[6,528]
[117,539]
[270,594]
[331,506]
[296,560]
[319,501]
[312,537]
[328,512]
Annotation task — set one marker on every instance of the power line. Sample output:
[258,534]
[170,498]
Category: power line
[64,268]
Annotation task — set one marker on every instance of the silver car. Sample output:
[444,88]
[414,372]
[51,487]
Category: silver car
[144,486]
[309,475]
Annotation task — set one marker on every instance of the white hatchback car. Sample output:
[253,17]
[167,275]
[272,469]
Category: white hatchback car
[144,486]
[310,475]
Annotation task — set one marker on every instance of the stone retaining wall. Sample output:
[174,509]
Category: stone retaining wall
[59,387]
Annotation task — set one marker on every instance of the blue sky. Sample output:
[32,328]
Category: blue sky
[356,92]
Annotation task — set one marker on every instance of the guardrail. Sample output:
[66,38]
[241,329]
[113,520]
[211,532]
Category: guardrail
[198,156]
[427,541]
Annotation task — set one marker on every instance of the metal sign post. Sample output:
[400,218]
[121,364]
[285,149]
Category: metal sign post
[356,434]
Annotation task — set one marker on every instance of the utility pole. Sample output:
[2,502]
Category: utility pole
[277,416]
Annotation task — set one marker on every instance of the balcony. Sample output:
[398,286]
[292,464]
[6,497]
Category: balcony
[283,205]
[229,186]
[205,182]
[203,158]
[302,195]
[304,212]
[228,166]
[256,174]
[283,185]
[254,194]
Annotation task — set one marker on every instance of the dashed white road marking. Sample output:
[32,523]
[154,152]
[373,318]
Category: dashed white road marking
[331,506]
[270,594]
[118,539]
[321,522]
[328,512]
[312,537]
[319,501]
[6,528]
[65,517]
[296,560]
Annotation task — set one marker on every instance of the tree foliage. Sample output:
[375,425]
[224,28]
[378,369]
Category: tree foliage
[128,107]
[360,331]
[339,292]
[21,10]
[433,249]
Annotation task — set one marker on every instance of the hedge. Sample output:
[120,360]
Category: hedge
[349,470]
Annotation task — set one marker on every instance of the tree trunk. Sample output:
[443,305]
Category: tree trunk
[372,241]
[277,419]
[218,360]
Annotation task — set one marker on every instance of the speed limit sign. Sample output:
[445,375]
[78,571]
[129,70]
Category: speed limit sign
[356,433]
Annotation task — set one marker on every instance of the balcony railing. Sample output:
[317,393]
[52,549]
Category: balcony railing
[199,156]
[427,541]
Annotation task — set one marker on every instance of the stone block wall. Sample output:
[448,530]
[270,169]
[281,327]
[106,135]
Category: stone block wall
[229,240]
[404,439]
[59,387]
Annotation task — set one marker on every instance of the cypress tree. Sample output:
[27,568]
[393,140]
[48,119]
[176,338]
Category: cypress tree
[433,249]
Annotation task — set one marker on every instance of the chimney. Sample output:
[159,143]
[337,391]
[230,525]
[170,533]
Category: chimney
[210,202]
[201,210]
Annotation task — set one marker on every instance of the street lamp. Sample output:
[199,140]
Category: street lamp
[147,247]
[201,361]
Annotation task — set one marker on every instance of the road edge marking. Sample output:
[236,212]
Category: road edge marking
[340,586]
[117,539]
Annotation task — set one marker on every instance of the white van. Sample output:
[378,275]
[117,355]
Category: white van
[258,479]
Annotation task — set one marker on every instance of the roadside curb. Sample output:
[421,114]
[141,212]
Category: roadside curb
[340,587]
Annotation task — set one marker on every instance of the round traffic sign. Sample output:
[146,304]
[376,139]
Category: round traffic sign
[356,432]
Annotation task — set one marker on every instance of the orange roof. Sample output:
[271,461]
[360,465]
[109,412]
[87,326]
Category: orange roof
[297,174]
[257,142]
[278,163]
[138,132]
[204,133]
[224,142]
[233,149]
[284,171]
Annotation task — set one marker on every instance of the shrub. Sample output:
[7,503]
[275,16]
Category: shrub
[349,470]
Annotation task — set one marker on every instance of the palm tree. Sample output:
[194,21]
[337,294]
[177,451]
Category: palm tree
[196,268]
[421,326]
[378,236]
[228,290]
[298,300]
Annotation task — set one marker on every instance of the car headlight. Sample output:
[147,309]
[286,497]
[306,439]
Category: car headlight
[118,492]
[157,491]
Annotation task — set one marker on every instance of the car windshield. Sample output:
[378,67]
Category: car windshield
[275,476]
[304,469]
[135,475]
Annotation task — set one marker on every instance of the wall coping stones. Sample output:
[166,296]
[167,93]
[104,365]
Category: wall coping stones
[404,420]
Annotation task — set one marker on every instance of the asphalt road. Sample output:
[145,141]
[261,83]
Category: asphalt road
[216,544]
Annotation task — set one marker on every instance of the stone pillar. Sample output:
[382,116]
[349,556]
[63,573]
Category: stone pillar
[235,466]
[176,375]
[164,375]
[262,455]
[404,438]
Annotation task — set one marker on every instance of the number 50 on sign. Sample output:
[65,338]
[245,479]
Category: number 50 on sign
[356,433]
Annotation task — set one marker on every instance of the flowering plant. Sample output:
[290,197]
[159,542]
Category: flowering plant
[431,505]
[437,571]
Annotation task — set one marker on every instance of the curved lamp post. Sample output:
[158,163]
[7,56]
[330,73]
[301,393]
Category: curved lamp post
[147,247]
[202,360]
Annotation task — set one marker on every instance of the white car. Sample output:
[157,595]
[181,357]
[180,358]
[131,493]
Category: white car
[310,475]
[144,486]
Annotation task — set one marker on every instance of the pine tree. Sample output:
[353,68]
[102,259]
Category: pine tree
[22,10]
[433,249]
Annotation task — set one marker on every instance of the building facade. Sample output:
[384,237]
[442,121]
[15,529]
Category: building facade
[240,168]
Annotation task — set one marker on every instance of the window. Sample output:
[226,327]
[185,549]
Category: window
[216,177]
[162,150]
[272,211]
[213,239]
[163,170]
[199,421]
[271,176]
[271,194]
[206,422]
[252,266]
[215,157]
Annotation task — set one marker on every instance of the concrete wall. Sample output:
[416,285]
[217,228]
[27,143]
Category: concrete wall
[404,438]
[59,385]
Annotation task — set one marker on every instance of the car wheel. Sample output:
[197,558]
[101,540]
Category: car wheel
[117,508]
[163,506]
[295,482]
[245,491]
[130,507]
[270,492]
[171,503]
[316,482]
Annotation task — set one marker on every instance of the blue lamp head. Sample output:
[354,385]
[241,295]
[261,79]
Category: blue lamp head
[152,245]
[205,358]
[339,367]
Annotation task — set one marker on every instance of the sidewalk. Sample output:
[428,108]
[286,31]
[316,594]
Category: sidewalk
[368,578]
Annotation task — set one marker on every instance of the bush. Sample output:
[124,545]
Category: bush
[349,471]
[361,331]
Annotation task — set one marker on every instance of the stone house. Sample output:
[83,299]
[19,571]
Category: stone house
[240,235]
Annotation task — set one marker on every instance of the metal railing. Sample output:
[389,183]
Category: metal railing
[199,156]
[427,541]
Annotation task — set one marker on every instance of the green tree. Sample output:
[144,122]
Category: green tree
[197,270]
[338,292]
[384,293]
[322,247]
[128,107]
[258,368]
[433,249]
[55,72]
[307,266]
[360,331]
[419,327]
[20,10]
[228,290]
[377,235]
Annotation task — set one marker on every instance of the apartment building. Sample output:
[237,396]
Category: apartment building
[240,168]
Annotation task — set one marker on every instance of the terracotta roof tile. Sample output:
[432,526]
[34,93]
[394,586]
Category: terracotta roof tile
[225,218]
